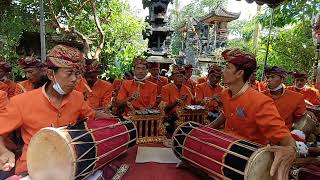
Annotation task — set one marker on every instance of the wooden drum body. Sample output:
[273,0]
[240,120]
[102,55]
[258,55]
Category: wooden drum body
[220,155]
[306,124]
[76,152]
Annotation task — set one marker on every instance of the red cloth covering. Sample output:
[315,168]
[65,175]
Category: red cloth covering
[309,172]
[65,57]
[276,70]
[140,60]
[240,58]
[95,66]
[153,65]
[299,75]
[151,171]
[30,62]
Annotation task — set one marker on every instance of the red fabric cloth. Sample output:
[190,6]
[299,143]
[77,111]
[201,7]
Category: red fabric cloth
[152,171]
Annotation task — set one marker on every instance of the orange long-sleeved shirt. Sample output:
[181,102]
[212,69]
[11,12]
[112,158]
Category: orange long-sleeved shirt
[253,116]
[162,81]
[101,94]
[148,93]
[290,105]
[204,90]
[310,94]
[31,116]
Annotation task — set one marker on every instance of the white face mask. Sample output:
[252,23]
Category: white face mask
[137,79]
[277,88]
[57,87]
[300,88]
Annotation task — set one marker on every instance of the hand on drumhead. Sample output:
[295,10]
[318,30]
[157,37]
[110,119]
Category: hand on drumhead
[283,159]
[7,161]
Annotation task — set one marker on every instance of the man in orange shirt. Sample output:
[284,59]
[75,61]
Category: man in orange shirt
[160,81]
[55,104]
[206,92]
[255,84]
[5,69]
[138,93]
[35,72]
[174,95]
[189,82]
[100,92]
[300,85]
[251,115]
[290,105]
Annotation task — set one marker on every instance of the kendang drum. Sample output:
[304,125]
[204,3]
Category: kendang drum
[75,152]
[220,155]
[315,110]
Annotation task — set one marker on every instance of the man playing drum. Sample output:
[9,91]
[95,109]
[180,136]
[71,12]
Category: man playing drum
[300,85]
[251,115]
[290,105]
[138,93]
[55,104]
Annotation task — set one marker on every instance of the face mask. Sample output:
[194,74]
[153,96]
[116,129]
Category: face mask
[300,88]
[277,88]
[137,79]
[57,87]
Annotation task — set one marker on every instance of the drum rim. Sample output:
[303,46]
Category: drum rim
[251,160]
[66,139]
[176,131]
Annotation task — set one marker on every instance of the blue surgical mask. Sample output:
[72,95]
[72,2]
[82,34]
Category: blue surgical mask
[57,87]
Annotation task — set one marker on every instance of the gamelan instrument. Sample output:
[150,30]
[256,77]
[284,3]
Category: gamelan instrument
[194,113]
[76,152]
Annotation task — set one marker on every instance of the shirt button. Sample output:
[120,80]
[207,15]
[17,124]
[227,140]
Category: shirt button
[232,129]
[231,114]
[59,115]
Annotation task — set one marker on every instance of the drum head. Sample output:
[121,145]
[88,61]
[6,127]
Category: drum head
[259,165]
[50,157]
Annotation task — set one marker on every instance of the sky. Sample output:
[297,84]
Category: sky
[247,10]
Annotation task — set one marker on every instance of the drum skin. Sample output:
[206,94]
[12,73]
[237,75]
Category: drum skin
[66,153]
[211,151]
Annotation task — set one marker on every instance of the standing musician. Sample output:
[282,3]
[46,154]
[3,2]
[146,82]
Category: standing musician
[290,105]
[300,85]
[206,92]
[54,104]
[251,115]
[138,93]
[35,72]
[101,91]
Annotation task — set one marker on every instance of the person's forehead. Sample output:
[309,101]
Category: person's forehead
[140,66]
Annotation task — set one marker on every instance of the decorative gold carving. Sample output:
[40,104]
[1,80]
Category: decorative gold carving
[199,116]
[150,119]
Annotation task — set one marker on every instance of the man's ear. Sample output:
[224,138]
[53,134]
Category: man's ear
[240,73]
[50,74]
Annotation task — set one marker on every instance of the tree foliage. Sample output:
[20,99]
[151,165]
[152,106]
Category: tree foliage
[110,31]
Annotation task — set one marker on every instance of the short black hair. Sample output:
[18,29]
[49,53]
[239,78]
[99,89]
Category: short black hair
[246,72]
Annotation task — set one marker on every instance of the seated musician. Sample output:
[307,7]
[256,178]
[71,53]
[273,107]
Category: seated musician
[300,85]
[251,115]
[35,71]
[5,69]
[174,95]
[255,84]
[160,81]
[189,82]
[138,93]
[206,92]
[290,105]
[101,91]
[55,104]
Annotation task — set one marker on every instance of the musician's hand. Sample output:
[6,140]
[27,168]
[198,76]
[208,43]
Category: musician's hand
[182,99]
[134,96]
[7,160]
[283,159]
[206,100]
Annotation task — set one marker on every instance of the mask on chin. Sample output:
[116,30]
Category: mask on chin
[57,87]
